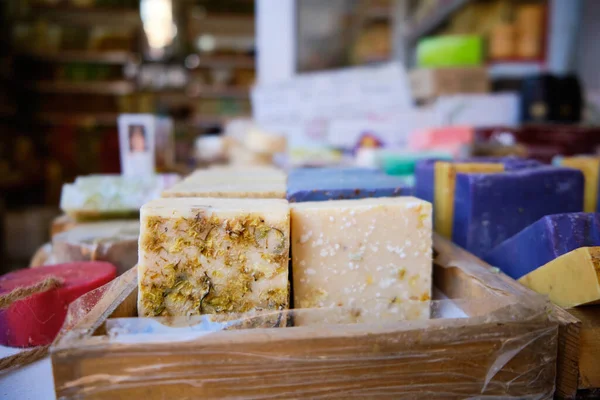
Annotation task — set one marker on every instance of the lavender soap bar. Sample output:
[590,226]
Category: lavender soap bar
[490,208]
[320,184]
[425,171]
[548,238]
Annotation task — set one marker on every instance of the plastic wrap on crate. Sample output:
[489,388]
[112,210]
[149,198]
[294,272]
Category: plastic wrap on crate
[491,338]
[319,184]
[109,196]
[543,241]
[113,241]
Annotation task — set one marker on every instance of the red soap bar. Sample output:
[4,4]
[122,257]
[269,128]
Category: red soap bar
[37,319]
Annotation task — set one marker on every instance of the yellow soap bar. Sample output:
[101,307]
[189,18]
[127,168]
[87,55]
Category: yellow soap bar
[589,166]
[372,254]
[210,256]
[444,187]
[570,280]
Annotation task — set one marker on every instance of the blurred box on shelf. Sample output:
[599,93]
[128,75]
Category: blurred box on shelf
[450,51]
[479,110]
[428,83]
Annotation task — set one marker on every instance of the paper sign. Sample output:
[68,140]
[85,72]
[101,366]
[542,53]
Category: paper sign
[304,107]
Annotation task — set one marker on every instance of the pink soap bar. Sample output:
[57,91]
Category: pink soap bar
[37,319]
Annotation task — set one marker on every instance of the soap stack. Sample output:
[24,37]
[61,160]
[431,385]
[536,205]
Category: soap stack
[219,242]
[479,203]
[590,167]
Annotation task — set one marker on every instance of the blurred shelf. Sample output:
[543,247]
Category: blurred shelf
[444,9]
[56,118]
[109,87]
[88,15]
[379,12]
[232,92]
[212,120]
[514,69]
[98,57]
[226,61]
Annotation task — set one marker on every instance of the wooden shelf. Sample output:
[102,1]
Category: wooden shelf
[89,15]
[226,61]
[98,57]
[110,87]
[440,14]
[55,118]
[208,92]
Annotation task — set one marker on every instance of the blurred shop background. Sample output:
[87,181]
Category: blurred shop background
[496,76]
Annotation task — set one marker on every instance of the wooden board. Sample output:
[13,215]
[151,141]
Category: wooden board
[506,347]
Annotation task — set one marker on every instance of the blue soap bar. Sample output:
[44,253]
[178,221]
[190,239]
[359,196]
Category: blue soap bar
[543,241]
[490,208]
[319,184]
[424,171]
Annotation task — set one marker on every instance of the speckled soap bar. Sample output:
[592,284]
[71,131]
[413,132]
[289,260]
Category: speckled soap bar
[373,254]
[209,256]
[543,241]
[319,184]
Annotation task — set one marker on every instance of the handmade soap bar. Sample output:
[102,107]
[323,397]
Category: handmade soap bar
[590,167]
[237,174]
[570,280]
[543,241]
[110,196]
[318,184]
[374,254]
[36,319]
[207,256]
[490,208]
[229,190]
[113,241]
[424,171]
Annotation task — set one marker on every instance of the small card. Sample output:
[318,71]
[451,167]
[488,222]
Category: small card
[146,144]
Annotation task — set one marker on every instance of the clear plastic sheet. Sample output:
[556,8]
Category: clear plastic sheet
[112,241]
[487,338]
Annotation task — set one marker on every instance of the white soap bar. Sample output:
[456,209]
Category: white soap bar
[207,256]
[373,254]
[229,190]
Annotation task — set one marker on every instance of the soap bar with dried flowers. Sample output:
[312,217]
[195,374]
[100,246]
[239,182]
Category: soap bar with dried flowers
[372,254]
[209,256]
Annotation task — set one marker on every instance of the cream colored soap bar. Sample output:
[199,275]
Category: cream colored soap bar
[570,280]
[232,175]
[207,256]
[229,190]
[374,254]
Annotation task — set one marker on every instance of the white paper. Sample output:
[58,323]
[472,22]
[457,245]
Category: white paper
[304,107]
[137,134]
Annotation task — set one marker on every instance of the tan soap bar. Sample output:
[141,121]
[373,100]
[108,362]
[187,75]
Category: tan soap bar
[229,190]
[374,254]
[233,175]
[207,256]
[570,280]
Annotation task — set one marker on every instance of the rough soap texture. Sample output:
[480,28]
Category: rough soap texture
[548,238]
[374,254]
[207,256]
[490,208]
[318,184]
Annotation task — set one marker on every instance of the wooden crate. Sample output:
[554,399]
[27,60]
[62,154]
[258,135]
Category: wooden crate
[505,346]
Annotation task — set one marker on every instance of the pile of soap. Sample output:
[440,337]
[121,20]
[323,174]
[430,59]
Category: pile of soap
[232,182]
[203,254]
[481,202]
[557,255]
[590,167]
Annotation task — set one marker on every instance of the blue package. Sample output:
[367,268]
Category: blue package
[320,184]
[543,241]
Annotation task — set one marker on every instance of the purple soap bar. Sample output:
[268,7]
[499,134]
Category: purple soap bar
[490,208]
[320,184]
[425,171]
[543,241]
